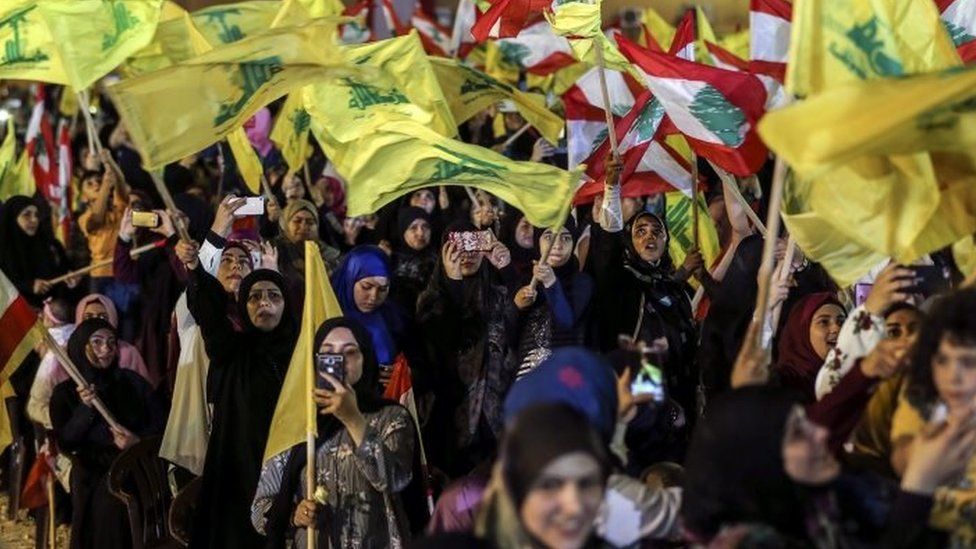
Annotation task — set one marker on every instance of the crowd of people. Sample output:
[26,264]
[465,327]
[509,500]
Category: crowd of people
[568,390]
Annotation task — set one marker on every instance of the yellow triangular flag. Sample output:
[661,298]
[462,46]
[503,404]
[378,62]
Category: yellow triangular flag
[248,162]
[681,229]
[15,176]
[660,29]
[294,414]
[291,131]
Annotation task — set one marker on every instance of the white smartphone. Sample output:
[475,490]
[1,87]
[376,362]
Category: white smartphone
[253,205]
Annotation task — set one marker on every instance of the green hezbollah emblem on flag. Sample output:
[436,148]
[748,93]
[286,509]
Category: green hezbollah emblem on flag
[362,95]
[227,33]
[864,37]
[719,116]
[301,121]
[476,81]
[14,50]
[445,170]
[250,77]
[124,20]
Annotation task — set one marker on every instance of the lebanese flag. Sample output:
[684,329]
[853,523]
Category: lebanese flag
[462,41]
[769,37]
[537,50]
[435,38]
[716,109]
[356,32]
[959,18]
[507,18]
[683,43]
[62,193]
[400,389]
[40,147]
[586,123]
[724,59]
[21,328]
[648,163]
[394,26]
[646,39]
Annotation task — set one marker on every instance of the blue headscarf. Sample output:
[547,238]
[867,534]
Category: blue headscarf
[385,322]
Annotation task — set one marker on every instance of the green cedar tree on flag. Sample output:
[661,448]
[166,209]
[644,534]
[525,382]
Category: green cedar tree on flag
[716,109]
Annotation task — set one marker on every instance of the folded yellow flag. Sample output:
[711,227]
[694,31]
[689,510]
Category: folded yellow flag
[181,109]
[403,156]
[290,132]
[838,41]
[681,229]
[471,91]
[402,86]
[294,415]
[925,112]
[227,23]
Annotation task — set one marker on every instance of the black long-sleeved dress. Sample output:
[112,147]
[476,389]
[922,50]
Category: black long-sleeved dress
[246,372]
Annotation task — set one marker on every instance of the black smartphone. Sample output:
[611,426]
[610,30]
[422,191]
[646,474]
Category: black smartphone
[332,364]
[929,280]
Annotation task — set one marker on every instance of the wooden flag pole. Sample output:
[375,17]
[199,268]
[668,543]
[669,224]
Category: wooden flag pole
[611,127]
[310,420]
[508,142]
[52,529]
[694,199]
[94,143]
[781,275]
[170,205]
[76,376]
[769,247]
[134,253]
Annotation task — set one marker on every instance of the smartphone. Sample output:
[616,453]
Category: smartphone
[332,364]
[472,241]
[929,280]
[648,380]
[149,220]
[861,292]
[253,205]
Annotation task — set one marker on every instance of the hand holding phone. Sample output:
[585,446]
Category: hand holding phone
[471,241]
[332,364]
[253,205]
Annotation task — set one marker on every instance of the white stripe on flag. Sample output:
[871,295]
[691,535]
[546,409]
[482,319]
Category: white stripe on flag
[580,135]
[769,37]
[657,159]
[677,95]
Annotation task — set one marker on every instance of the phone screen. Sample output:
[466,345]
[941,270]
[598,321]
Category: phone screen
[861,292]
[649,380]
[332,364]
[253,205]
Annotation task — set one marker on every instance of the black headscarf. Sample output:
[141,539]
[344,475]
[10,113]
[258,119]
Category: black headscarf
[521,257]
[405,217]
[566,271]
[24,258]
[78,342]
[288,325]
[734,471]
[643,270]
[527,450]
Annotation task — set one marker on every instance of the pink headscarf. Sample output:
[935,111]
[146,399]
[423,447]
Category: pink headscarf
[129,357]
[338,192]
[257,128]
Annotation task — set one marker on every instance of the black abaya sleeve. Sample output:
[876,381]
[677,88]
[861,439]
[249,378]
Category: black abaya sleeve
[70,419]
[207,302]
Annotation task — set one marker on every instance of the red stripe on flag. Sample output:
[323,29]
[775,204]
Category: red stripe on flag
[17,322]
[769,68]
[777,8]
[967,51]
[551,64]
[685,34]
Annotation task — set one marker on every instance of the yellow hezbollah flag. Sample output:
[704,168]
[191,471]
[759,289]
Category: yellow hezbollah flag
[322,8]
[660,29]
[471,91]
[15,174]
[29,49]
[837,41]
[404,86]
[248,163]
[93,38]
[181,109]
[681,229]
[172,43]
[228,23]
[580,23]
[403,156]
[294,414]
[926,112]
[291,130]
[737,43]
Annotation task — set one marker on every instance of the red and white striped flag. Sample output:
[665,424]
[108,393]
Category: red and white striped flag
[537,50]
[724,59]
[400,389]
[507,18]
[21,328]
[39,141]
[717,110]
[649,165]
[358,32]
[683,44]
[62,196]
[586,123]
[959,18]
[769,37]
[462,41]
[435,38]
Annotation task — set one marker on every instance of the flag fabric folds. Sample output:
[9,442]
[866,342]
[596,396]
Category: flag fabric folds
[681,229]
[716,110]
[769,45]
[403,156]
[959,18]
[181,109]
[586,123]
[506,18]
[290,131]
[471,91]
[228,23]
[21,332]
[294,414]
[536,50]
[837,41]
